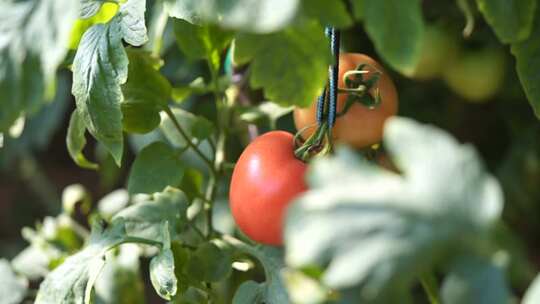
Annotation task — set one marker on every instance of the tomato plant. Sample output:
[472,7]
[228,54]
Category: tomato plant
[251,151]
[266,178]
[360,125]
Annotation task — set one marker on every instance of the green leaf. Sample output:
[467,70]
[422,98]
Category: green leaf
[12,288]
[181,257]
[145,218]
[469,280]
[145,93]
[396,28]
[156,167]
[34,37]
[329,13]
[76,141]
[104,14]
[527,55]
[112,203]
[391,226]
[139,117]
[291,66]
[532,296]
[358,9]
[512,20]
[162,273]
[99,68]
[197,128]
[90,8]
[254,16]
[192,183]
[145,84]
[269,109]
[304,289]
[120,281]
[33,261]
[273,290]
[209,263]
[133,22]
[73,280]
[200,42]
[249,292]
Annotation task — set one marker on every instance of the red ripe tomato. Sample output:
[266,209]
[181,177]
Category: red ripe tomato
[360,127]
[266,178]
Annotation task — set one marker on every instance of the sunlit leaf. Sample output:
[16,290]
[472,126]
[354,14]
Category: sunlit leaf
[73,280]
[375,228]
[144,219]
[32,46]
[12,288]
[255,16]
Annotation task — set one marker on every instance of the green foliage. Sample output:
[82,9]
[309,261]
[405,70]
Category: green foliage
[162,268]
[328,13]
[96,84]
[12,288]
[512,20]
[272,55]
[73,280]
[201,42]
[76,141]
[257,16]
[120,280]
[528,63]
[156,166]
[468,280]
[145,218]
[145,93]
[34,36]
[399,42]
[89,8]
[533,293]
[380,239]
[196,128]
[273,289]
[209,263]
[249,292]
[107,11]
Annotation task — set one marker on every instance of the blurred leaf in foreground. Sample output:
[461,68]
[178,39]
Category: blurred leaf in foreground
[376,229]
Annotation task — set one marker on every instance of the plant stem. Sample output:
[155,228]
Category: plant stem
[207,207]
[197,230]
[219,149]
[184,135]
[138,240]
[429,283]
[240,245]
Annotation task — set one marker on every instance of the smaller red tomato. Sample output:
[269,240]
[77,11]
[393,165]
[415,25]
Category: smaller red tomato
[266,178]
[361,126]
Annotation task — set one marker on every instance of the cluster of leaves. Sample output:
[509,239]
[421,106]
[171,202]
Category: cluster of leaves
[372,244]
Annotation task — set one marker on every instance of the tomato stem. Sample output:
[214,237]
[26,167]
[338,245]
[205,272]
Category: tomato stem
[316,144]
